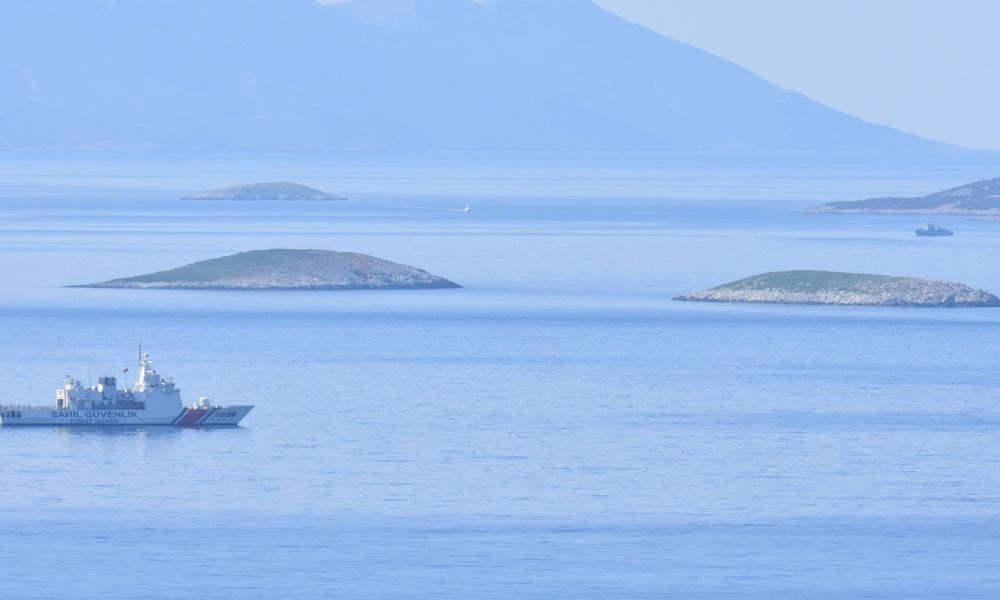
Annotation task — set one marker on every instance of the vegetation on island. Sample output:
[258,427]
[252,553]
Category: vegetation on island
[283,269]
[276,191]
[977,198]
[856,289]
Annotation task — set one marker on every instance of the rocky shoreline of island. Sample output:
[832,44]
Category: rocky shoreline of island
[979,198]
[286,269]
[844,289]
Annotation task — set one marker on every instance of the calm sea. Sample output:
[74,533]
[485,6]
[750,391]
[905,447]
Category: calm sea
[557,429]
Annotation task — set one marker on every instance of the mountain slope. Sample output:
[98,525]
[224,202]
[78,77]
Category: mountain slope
[500,77]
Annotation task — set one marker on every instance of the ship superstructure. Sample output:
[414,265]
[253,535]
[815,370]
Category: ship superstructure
[153,400]
[932,230]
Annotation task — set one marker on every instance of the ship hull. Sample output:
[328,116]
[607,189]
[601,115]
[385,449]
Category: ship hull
[229,416]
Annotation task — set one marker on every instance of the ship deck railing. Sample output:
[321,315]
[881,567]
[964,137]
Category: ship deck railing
[51,407]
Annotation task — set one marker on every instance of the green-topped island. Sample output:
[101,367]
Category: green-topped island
[979,198]
[847,289]
[275,191]
[281,269]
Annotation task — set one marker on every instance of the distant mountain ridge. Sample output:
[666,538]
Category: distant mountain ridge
[976,198]
[498,78]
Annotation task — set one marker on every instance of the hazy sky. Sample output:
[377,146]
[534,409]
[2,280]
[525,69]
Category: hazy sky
[928,67]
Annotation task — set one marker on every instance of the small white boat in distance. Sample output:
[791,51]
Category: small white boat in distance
[154,400]
[467,209]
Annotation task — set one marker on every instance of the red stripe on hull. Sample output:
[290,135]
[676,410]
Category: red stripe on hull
[192,417]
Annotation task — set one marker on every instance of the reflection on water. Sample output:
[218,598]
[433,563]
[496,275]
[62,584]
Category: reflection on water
[123,431]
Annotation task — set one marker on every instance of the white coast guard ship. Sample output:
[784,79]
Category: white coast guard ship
[154,400]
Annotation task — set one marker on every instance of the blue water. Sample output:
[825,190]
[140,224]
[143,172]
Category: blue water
[558,428]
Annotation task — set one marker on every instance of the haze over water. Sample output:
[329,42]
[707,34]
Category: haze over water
[558,428]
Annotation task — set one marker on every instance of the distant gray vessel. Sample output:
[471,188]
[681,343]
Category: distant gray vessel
[932,230]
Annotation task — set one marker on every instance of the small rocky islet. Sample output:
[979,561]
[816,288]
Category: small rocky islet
[286,269]
[845,289]
[275,191]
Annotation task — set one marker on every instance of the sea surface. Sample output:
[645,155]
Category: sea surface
[559,428]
